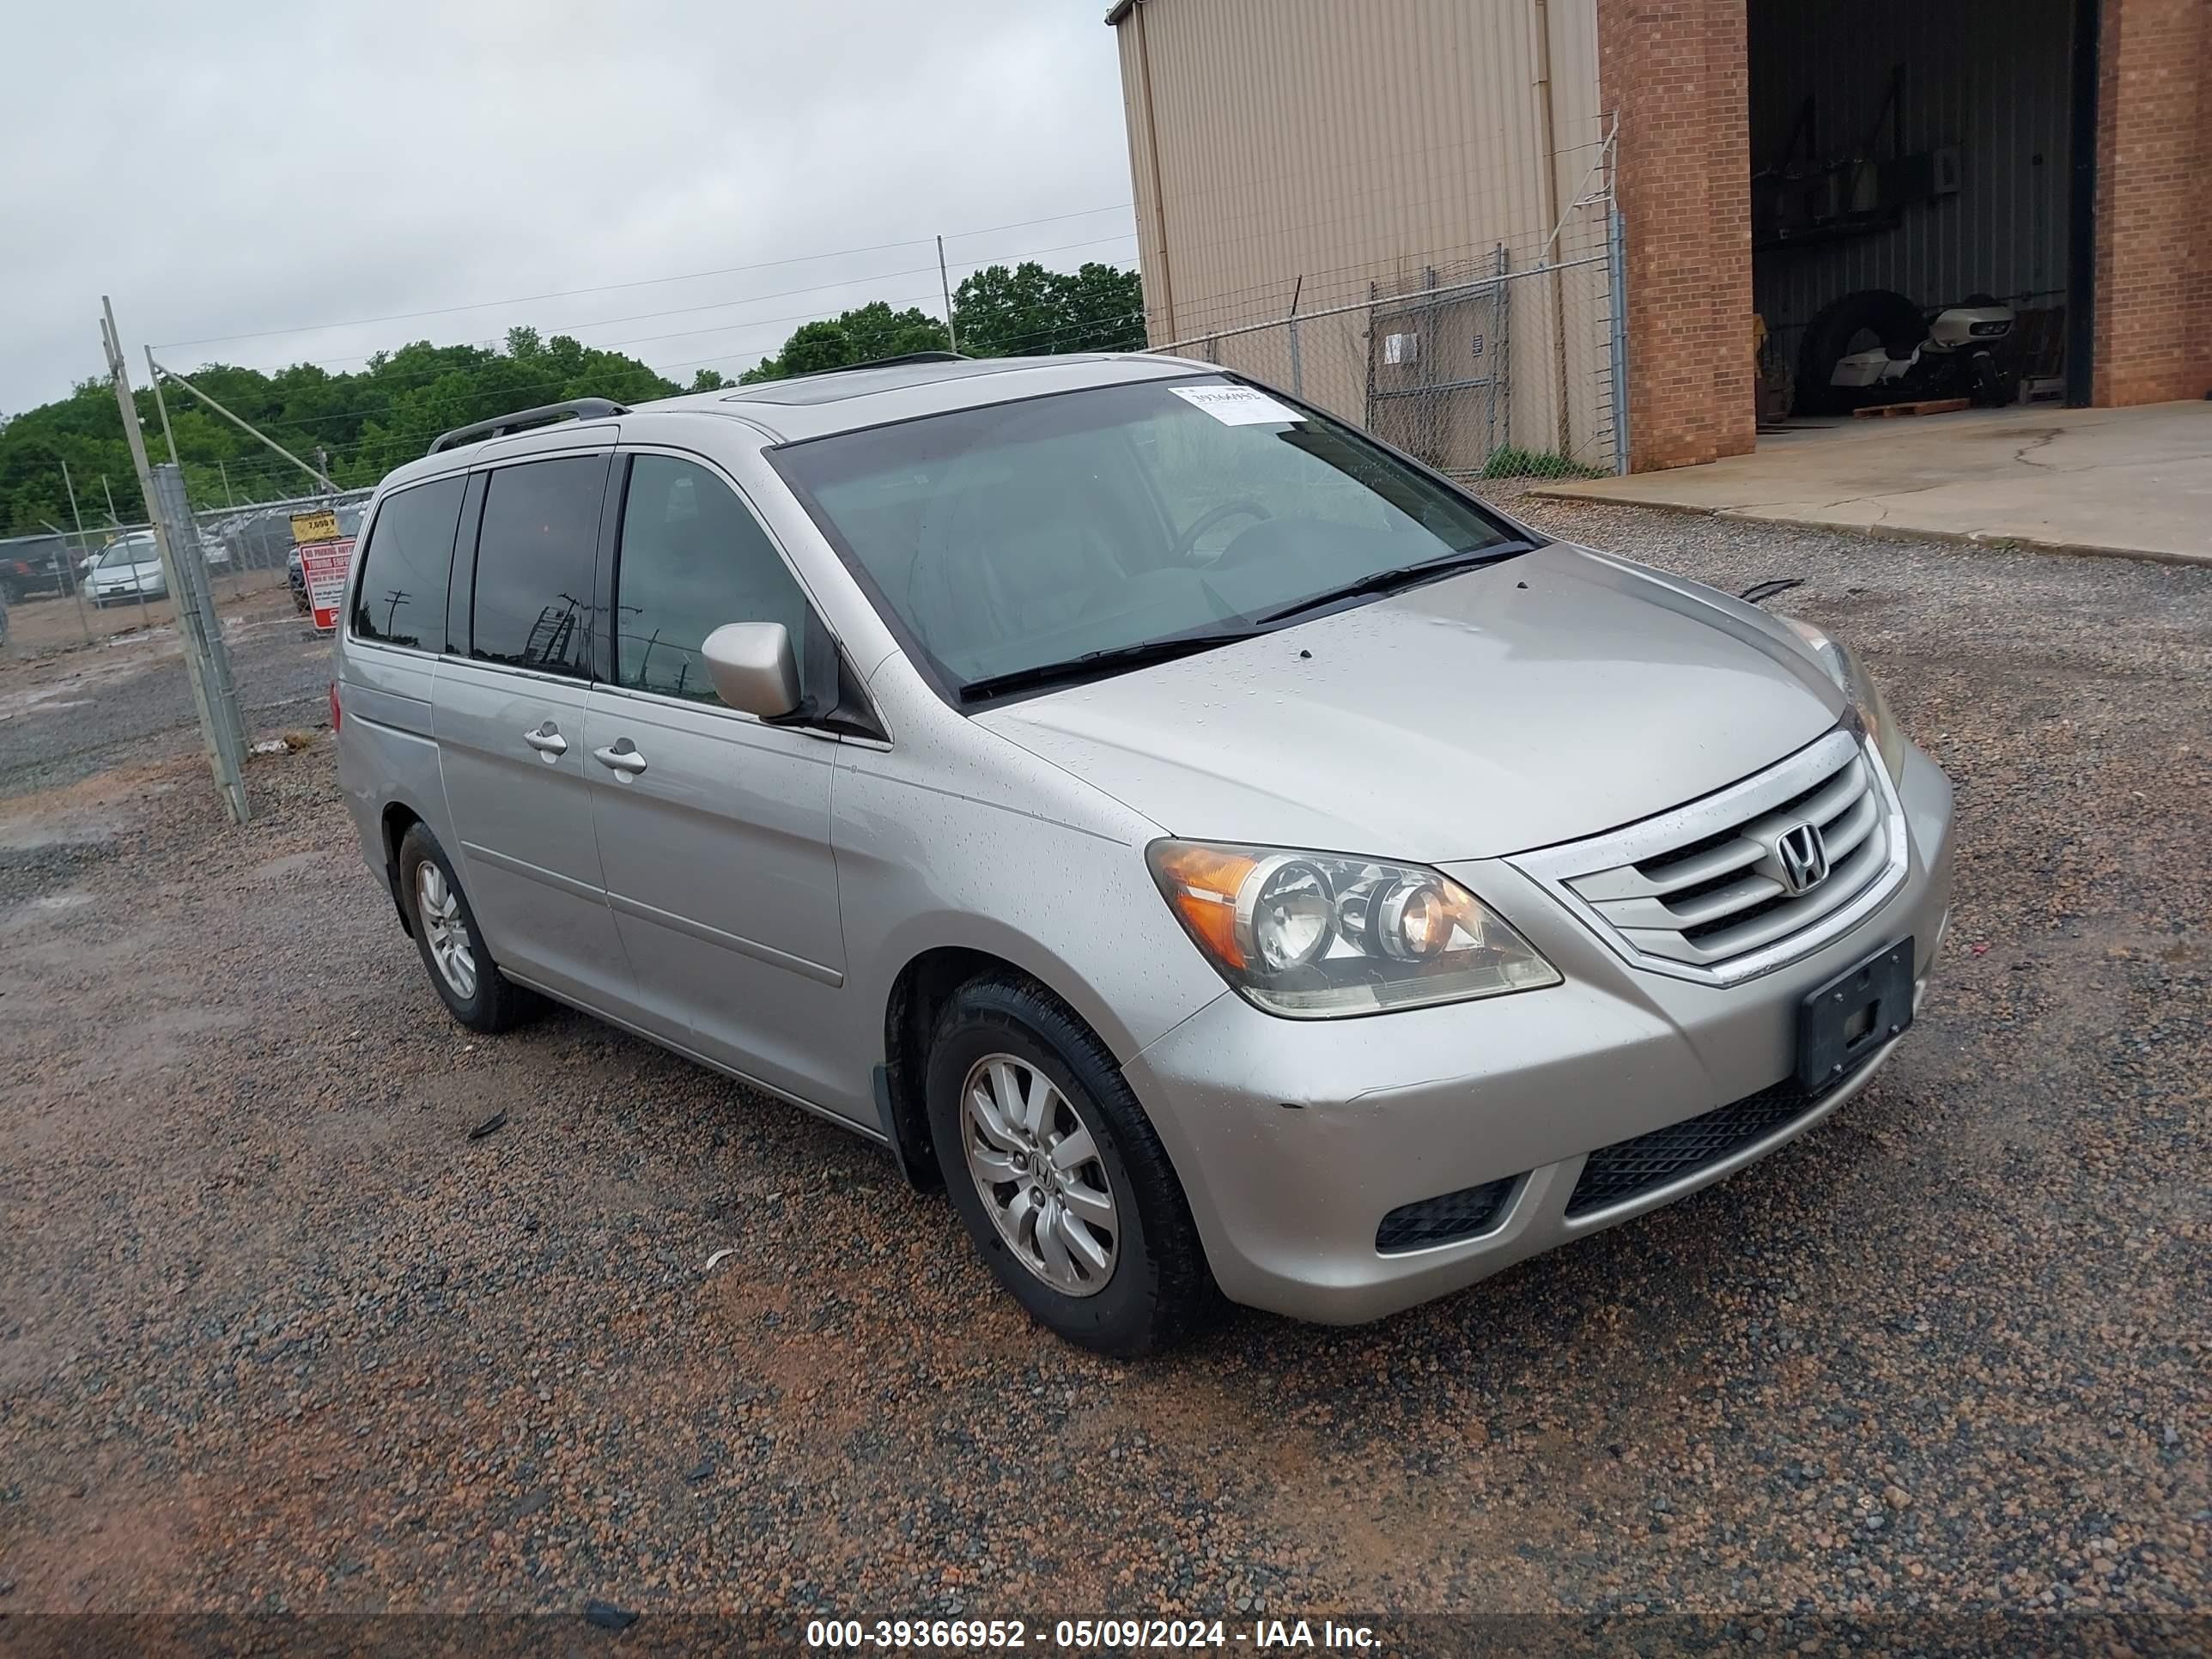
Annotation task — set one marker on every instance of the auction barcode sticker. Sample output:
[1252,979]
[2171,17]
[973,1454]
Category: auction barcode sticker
[1236,406]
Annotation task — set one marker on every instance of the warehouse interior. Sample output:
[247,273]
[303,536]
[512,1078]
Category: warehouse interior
[1920,231]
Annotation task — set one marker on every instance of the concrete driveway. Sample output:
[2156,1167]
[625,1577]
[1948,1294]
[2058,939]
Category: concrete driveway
[2135,482]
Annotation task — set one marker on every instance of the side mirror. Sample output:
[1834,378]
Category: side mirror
[752,668]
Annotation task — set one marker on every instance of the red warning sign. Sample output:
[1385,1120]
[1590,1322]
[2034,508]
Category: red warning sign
[325,566]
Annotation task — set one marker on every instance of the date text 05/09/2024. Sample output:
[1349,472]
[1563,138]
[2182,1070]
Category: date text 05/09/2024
[892,1635]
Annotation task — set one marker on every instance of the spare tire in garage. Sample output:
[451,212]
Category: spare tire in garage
[1835,332]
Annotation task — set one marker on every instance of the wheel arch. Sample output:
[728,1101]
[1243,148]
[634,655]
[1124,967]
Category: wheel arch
[917,997]
[394,823]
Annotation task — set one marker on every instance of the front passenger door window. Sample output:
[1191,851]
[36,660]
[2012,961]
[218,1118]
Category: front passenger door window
[692,557]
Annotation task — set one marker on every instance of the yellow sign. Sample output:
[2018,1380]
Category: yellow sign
[309,527]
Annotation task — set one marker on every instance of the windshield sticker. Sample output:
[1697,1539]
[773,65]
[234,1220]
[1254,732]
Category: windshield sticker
[1236,406]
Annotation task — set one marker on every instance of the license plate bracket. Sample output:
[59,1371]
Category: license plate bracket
[1845,1020]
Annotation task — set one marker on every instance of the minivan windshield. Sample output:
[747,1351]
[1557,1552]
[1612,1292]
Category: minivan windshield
[1054,538]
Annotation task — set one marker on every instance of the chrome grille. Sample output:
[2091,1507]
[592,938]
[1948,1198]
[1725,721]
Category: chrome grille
[1706,892]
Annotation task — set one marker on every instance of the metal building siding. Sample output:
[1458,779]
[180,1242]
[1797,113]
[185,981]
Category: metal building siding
[1989,76]
[1330,139]
[1151,240]
[1356,145]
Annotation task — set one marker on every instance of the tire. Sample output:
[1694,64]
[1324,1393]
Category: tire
[1895,319]
[481,998]
[1155,1290]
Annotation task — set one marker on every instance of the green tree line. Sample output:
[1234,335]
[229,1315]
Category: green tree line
[369,422]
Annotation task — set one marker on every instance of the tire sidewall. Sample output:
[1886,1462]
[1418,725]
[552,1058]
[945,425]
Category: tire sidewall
[1118,1319]
[418,849]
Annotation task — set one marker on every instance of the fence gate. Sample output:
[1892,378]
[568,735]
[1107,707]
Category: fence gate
[1439,375]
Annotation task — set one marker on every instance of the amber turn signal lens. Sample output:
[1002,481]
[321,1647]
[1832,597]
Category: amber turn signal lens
[1202,883]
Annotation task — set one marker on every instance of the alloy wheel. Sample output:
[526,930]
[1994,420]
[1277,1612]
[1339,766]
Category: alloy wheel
[437,909]
[1038,1168]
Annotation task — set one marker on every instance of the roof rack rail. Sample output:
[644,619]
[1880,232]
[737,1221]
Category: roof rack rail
[580,409]
[893,362]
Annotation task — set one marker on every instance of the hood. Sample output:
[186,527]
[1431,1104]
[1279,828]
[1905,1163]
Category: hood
[1539,700]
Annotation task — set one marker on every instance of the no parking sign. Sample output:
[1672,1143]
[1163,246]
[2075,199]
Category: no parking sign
[324,566]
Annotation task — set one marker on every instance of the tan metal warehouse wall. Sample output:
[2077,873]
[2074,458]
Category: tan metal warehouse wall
[1358,144]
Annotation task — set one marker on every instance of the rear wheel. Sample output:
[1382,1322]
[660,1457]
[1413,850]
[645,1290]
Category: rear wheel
[462,971]
[1058,1176]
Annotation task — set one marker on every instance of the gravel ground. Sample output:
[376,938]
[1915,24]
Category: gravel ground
[47,622]
[127,698]
[276,1333]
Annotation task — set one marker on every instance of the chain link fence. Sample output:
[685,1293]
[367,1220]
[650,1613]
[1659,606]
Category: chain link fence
[1494,365]
[63,587]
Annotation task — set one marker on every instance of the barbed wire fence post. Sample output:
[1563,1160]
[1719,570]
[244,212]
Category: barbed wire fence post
[176,542]
[76,565]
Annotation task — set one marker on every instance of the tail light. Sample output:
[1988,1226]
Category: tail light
[334,708]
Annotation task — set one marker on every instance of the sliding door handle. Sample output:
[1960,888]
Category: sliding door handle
[621,757]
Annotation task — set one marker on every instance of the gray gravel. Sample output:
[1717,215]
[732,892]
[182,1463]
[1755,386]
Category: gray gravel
[281,664]
[276,1334]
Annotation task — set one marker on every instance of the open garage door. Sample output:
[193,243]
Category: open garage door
[1919,231]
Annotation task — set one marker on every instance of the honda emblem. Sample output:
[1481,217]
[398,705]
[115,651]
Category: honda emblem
[1803,856]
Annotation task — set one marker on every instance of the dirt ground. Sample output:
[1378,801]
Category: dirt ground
[47,622]
[277,1335]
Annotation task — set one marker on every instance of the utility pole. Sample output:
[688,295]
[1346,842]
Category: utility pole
[176,540]
[945,282]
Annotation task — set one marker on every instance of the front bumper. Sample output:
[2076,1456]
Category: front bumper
[1295,1139]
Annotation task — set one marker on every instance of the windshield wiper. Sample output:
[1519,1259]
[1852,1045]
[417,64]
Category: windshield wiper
[1392,581]
[1094,662]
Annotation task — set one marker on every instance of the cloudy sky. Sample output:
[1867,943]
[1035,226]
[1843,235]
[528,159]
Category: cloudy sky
[686,181]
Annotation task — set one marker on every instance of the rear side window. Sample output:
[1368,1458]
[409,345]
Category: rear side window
[406,566]
[534,555]
[692,557]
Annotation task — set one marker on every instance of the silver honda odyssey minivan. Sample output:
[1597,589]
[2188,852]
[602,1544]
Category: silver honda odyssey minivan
[1227,857]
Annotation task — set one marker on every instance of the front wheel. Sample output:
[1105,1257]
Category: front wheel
[1058,1176]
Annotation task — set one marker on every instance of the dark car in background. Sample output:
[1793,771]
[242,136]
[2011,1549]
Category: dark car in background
[33,564]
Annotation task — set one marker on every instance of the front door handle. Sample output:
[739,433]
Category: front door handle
[547,741]
[621,757]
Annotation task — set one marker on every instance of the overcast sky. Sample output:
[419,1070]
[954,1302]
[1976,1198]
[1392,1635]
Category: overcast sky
[231,167]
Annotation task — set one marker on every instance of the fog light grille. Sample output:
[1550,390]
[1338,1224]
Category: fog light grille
[1444,1218]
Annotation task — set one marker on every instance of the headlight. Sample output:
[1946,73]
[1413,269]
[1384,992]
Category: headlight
[1312,937]
[1867,701]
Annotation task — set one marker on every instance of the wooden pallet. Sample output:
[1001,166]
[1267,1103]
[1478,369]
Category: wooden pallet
[1925,406]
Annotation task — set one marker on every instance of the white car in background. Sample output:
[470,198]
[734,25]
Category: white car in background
[128,570]
[129,567]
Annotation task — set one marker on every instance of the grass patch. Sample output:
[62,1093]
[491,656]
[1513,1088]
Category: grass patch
[1513,462]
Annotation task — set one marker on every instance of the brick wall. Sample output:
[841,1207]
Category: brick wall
[2153,322]
[1676,71]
